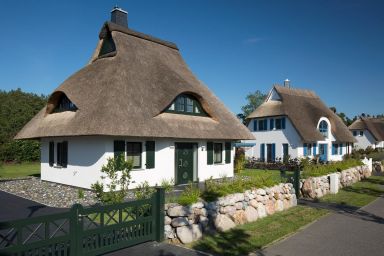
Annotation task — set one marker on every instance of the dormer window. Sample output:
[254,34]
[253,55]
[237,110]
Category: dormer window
[186,104]
[64,104]
[323,128]
[108,45]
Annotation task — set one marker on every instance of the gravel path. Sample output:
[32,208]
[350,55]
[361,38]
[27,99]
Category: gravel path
[48,193]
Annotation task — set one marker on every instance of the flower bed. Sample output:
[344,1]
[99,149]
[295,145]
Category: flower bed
[316,170]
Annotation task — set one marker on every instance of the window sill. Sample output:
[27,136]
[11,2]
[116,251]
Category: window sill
[219,163]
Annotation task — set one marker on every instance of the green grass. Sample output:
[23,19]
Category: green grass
[19,170]
[264,174]
[252,236]
[248,179]
[359,194]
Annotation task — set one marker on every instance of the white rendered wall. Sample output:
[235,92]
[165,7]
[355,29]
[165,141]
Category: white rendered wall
[288,135]
[365,141]
[86,156]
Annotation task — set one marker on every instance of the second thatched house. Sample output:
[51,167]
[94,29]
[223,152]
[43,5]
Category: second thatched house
[138,97]
[296,123]
[369,132]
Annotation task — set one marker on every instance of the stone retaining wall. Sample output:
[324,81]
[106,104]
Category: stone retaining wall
[316,187]
[188,223]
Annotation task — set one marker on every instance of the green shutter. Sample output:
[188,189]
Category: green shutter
[51,153]
[227,152]
[119,147]
[209,153]
[150,154]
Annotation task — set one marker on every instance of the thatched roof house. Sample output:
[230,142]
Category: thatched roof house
[137,96]
[369,132]
[302,113]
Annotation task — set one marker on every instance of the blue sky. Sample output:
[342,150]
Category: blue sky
[335,48]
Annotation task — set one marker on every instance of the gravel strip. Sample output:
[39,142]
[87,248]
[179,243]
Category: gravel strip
[49,193]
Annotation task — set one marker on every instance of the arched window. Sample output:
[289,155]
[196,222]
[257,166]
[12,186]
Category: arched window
[64,104]
[186,104]
[323,128]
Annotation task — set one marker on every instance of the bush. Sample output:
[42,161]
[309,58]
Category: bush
[80,193]
[315,170]
[144,191]
[167,185]
[117,170]
[239,160]
[190,195]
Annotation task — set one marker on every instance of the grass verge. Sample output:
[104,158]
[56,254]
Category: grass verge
[19,170]
[359,194]
[252,236]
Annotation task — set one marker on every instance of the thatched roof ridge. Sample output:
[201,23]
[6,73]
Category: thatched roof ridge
[374,125]
[304,109]
[126,94]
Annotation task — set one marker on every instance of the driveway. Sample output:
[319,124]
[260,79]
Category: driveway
[344,232]
[14,207]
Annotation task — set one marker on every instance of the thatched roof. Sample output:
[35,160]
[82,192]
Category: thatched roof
[304,109]
[125,93]
[374,125]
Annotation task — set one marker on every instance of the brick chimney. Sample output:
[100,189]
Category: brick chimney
[119,16]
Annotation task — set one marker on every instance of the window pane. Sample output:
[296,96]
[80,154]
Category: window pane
[134,153]
[218,148]
[189,105]
[180,103]
[172,107]
[278,123]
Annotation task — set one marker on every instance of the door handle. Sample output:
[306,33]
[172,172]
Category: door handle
[181,163]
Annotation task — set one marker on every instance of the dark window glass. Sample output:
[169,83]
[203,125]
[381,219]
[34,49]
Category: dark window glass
[262,125]
[218,150]
[361,133]
[323,128]
[134,153]
[186,104]
[65,104]
[278,123]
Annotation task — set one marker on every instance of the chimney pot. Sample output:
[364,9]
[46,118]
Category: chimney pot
[119,16]
[287,83]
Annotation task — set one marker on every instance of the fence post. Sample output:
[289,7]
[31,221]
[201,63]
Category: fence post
[159,213]
[296,182]
[74,228]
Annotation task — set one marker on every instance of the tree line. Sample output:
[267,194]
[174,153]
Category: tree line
[16,109]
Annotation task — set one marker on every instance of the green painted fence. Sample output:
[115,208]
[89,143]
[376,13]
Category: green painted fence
[86,231]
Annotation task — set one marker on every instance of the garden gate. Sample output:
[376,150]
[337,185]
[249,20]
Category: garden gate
[292,176]
[86,231]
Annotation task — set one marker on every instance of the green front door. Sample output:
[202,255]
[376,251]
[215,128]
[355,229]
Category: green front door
[184,162]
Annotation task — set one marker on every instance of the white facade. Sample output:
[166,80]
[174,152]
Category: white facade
[87,154]
[289,135]
[365,139]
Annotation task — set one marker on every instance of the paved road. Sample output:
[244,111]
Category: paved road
[156,249]
[344,232]
[13,207]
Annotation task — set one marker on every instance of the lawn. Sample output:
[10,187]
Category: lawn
[359,194]
[255,235]
[19,170]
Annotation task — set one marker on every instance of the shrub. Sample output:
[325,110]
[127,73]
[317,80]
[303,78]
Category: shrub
[144,191]
[167,185]
[239,160]
[80,193]
[117,170]
[315,170]
[190,195]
